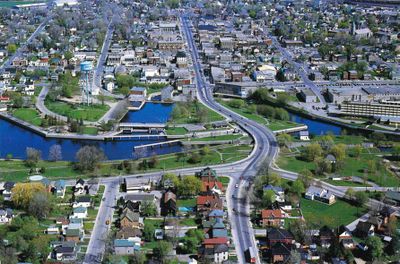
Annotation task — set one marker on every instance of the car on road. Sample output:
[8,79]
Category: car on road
[237,185]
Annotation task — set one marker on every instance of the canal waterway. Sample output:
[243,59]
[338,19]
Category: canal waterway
[14,139]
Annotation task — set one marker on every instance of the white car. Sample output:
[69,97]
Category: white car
[237,185]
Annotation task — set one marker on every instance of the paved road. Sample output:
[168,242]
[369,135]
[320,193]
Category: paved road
[265,149]
[96,247]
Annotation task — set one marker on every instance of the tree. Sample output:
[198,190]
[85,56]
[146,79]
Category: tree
[375,247]
[32,157]
[68,55]
[297,187]
[268,198]
[361,198]
[137,258]
[350,193]
[306,177]
[189,186]
[392,225]
[326,141]
[312,152]
[394,245]
[88,157]
[323,166]
[295,257]
[274,179]
[205,151]
[191,241]
[161,250]
[194,158]
[11,48]
[55,153]
[371,164]
[170,177]
[40,205]
[148,232]
[22,193]
[148,208]
[357,150]
[339,151]
[284,139]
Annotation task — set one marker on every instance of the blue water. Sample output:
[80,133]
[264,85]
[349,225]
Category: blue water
[316,127]
[150,113]
[15,140]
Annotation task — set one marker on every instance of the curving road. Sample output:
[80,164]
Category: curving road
[265,150]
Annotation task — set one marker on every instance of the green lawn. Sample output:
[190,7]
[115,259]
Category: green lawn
[188,222]
[186,202]
[224,180]
[346,183]
[156,222]
[29,115]
[274,124]
[222,137]
[193,109]
[176,131]
[85,112]
[339,213]
[89,130]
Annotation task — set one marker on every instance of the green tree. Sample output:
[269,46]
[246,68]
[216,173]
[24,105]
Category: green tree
[274,179]
[268,198]
[189,186]
[170,177]
[33,156]
[148,231]
[350,193]
[88,158]
[161,250]
[375,247]
[339,151]
[11,48]
[284,139]
[312,152]
[148,208]
[361,198]
[357,150]
[297,187]
[138,258]
[306,177]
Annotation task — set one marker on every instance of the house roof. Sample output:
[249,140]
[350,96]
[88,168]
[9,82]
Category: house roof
[271,214]
[219,233]
[275,189]
[123,243]
[279,234]
[393,195]
[80,210]
[215,241]
[132,216]
[216,213]
[209,185]
[364,226]
[80,181]
[60,184]
[83,199]
[169,196]
[128,232]
[281,249]
[204,199]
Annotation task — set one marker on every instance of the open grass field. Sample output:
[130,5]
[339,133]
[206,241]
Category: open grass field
[87,113]
[339,213]
[211,116]
[29,115]
[176,131]
[274,125]
[15,170]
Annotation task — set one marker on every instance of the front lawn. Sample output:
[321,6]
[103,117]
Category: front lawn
[186,202]
[86,112]
[339,213]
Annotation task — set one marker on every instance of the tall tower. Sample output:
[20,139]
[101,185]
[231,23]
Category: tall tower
[87,82]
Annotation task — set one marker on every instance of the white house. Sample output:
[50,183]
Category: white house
[6,216]
[80,187]
[304,135]
[279,192]
[83,201]
[320,194]
[79,212]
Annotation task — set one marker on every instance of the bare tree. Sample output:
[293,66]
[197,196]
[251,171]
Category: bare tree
[55,153]
[32,156]
[88,157]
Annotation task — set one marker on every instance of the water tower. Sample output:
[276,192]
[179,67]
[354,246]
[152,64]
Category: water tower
[87,82]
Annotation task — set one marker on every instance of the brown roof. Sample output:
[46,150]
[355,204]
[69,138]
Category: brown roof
[270,214]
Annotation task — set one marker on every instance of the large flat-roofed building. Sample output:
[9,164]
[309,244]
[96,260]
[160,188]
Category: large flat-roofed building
[308,96]
[383,93]
[338,96]
[241,89]
[376,110]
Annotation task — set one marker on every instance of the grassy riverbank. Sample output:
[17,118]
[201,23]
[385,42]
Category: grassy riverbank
[86,112]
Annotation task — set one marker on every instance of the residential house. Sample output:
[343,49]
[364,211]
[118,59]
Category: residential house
[74,234]
[304,135]
[168,204]
[218,253]
[138,94]
[6,215]
[280,252]
[64,251]
[279,235]
[272,218]
[206,174]
[365,229]
[392,197]
[210,186]
[59,188]
[125,247]
[80,187]
[278,191]
[82,201]
[7,187]
[79,212]
[386,213]
[128,233]
[320,194]
[206,203]
[345,237]
[326,236]
[131,219]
